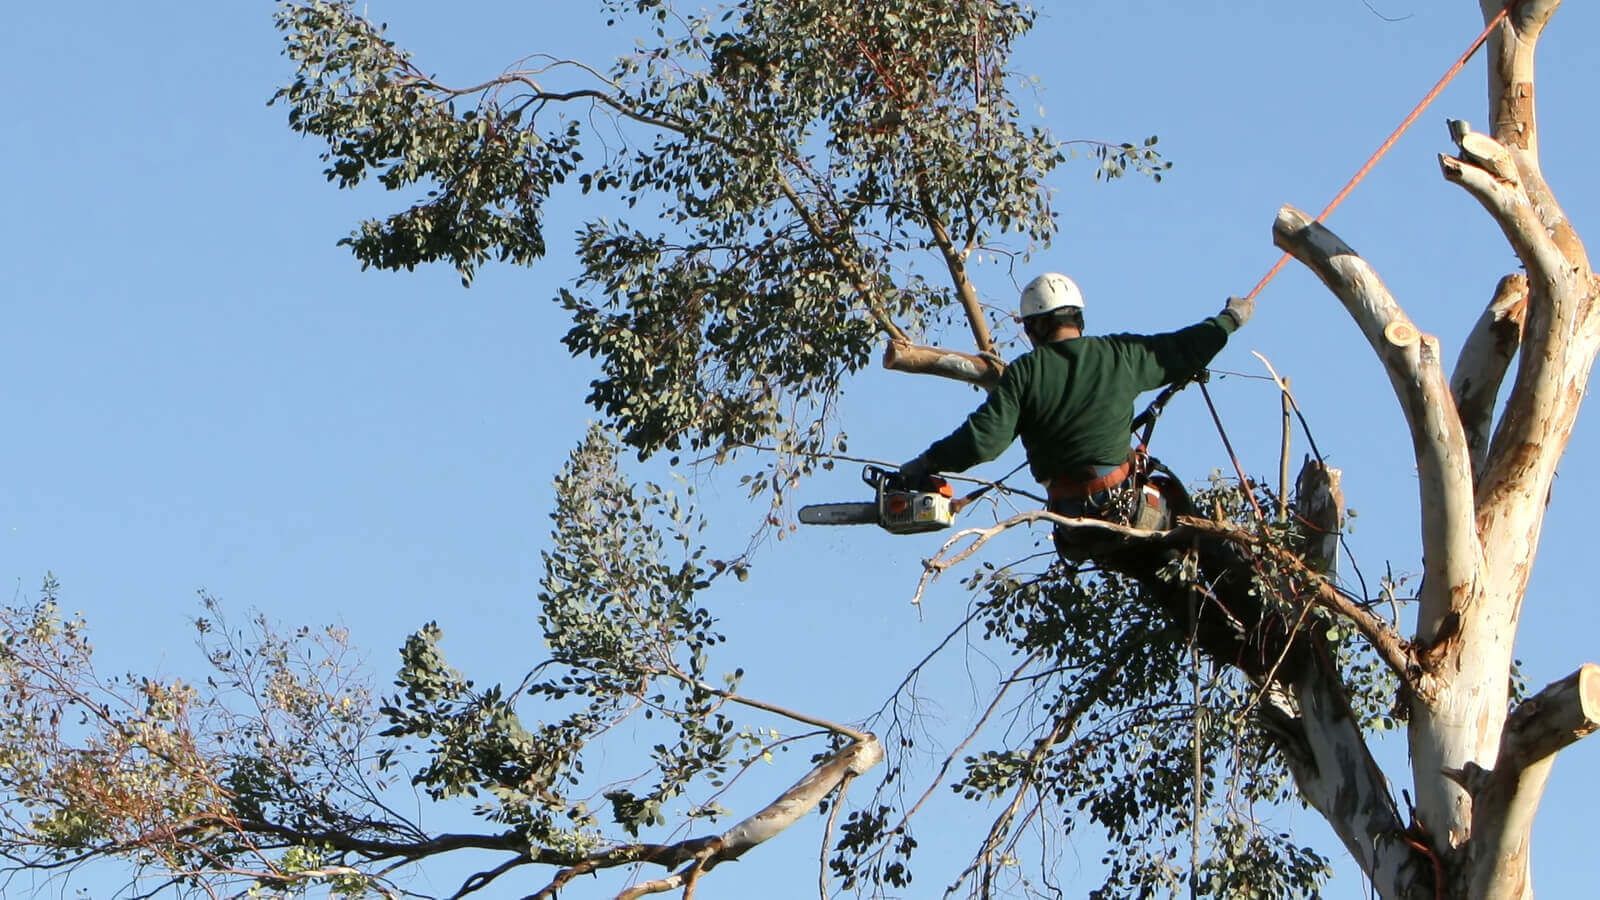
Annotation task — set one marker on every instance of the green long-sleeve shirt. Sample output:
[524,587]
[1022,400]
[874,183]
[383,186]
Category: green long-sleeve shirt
[1072,401]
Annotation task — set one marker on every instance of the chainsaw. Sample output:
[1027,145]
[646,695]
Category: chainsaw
[898,507]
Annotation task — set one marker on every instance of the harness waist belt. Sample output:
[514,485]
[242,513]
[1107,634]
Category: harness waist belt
[1065,488]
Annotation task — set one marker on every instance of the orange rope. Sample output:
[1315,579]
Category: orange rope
[1409,120]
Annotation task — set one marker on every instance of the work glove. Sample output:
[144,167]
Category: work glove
[1239,309]
[914,471]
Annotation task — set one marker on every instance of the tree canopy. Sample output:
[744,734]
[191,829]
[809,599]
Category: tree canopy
[790,188]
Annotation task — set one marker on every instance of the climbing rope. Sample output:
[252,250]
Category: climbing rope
[1394,136]
[1148,417]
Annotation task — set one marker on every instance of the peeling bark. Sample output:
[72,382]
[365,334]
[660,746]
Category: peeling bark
[1343,783]
[1477,773]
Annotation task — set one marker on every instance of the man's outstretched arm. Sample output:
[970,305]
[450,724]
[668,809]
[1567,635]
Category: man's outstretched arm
[1179,354]
[984,435]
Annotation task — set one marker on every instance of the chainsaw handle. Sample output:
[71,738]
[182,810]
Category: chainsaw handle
[874,475]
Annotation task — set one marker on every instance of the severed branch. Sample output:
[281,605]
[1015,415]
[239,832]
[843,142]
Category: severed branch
[1484,359]
[1552,720]
[982,370]
[1506,798]
[1451,553]
[849,762]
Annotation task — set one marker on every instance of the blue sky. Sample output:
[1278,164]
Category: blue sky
[203,391]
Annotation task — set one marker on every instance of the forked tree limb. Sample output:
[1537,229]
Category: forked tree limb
[701,854]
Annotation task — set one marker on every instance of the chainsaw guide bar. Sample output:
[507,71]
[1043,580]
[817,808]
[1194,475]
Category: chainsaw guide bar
[839,514]
[899,508]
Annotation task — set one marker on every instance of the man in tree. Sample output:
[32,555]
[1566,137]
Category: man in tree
[1071,398]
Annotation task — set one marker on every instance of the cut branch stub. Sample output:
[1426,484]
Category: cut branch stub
[1508,796]
[1319,507]
[1535,227]
[1449,534]
[1485,152]
[1558,716]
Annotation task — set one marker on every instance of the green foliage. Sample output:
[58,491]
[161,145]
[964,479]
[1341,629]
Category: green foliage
[383,119]
[282,767]
[1116,159]
[794,164]
[1105,734]
[625,635]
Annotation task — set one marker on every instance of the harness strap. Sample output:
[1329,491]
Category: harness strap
[1064,488]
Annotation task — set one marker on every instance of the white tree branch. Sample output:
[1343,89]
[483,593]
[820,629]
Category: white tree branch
[1338,777]
[854,759]
[1444,729]
[1508,796]
[981,370]
[1411,359]
[1485,170]
[1484,359]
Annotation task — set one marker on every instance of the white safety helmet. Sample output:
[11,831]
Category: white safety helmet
[1050,292]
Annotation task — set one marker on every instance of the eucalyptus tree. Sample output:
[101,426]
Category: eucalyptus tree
[804,184]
